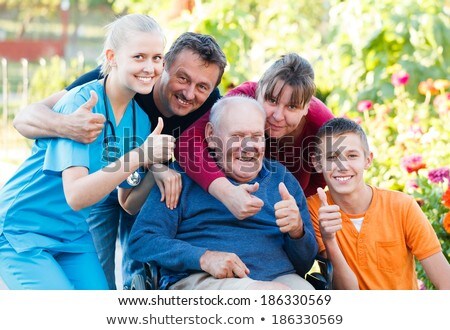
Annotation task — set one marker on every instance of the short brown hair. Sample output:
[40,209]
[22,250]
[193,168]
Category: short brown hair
[293,70]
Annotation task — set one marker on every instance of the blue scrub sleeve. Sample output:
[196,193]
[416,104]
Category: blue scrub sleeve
[64,153]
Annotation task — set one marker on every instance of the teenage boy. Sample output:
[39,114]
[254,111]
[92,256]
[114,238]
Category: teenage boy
[370,235]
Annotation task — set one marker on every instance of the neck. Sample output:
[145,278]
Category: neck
[355,203]
[157,98]
[118,95]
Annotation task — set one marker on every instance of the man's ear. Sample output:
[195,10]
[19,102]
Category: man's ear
[110,57]
[209,134]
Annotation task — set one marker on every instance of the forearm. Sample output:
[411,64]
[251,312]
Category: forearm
[343,276]
[90,189]
[38,120]
[437,269]
[301,251]
[132,200]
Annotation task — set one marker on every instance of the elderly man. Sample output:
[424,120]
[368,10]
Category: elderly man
[193,68]
[201,245]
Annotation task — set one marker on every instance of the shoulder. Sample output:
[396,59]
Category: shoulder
[318,113]
[247,88]
[78,95]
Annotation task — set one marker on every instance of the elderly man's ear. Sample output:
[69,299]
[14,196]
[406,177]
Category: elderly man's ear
[210,138]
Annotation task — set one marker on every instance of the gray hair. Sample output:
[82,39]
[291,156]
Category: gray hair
[121,30]
[221,105]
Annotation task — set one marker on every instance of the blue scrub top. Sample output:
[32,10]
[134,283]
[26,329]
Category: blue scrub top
[34,213]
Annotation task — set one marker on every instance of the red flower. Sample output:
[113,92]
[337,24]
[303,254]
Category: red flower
[400,78]
[413,163]
[446,198]
[446,222]
[364,105]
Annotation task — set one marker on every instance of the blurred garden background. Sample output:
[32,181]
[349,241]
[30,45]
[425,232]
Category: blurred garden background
[383,63]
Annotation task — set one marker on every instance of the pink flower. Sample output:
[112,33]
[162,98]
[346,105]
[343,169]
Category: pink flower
[400,78]
[412,184]
[442,103]
[364,105]
[439,174]
[413,163]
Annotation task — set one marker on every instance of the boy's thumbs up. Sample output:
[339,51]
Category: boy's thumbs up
[322,197]
[158,129]
[285,195]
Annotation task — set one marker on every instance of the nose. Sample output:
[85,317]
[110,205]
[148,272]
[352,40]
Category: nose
[278,113]
[149,67]
[189,92]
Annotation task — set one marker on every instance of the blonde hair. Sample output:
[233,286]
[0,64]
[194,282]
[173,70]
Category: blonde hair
[119,31]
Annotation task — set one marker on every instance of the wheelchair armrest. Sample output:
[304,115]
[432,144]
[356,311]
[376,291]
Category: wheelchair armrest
[324,279]
[152,274]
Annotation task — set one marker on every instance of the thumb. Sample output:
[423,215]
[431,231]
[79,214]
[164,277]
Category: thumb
[322,197]
[252,188]
[285,195]
[90,104]
[158,129]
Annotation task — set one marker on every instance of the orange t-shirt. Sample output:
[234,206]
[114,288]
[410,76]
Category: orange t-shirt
[381,254]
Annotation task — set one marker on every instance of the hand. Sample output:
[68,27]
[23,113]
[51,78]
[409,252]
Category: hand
[238,199]
[330,220]
[83,125]
[287,214]
[169,184]
[223,265]
[157,148]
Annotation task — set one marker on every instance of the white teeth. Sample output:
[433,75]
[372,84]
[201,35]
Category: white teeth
[182,101]
[145,79]
[343,178]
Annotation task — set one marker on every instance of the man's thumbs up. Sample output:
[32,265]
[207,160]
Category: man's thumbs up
[90,104]
[322,197]
[287,214]
[83,125]
[284,193]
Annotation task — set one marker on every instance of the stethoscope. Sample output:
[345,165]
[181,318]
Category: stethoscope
[135,178]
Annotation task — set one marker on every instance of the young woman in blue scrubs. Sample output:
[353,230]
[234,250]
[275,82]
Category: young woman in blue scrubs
[44,238]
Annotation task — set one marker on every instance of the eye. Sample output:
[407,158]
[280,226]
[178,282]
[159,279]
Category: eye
[353,156]
[139,57]
[203,88]
[157,58]
[182,79]
[271,100]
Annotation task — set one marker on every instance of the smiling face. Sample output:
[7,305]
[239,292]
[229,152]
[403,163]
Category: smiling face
[238,139]
[186,85]
[283,113]
[343,161]
[138,63]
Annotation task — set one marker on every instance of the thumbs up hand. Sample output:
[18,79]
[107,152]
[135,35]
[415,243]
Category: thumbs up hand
[157,148]
[330,220]
[287,214]
[83,125]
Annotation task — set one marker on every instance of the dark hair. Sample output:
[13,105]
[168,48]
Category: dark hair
[203,45]
[293,70]
[338,127]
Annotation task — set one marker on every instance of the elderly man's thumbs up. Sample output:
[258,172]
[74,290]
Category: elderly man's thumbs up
[287,214]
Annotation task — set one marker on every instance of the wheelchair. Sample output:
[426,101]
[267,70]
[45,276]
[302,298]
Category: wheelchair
[320,280]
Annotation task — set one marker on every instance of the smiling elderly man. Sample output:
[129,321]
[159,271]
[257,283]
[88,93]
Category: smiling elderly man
[201,245]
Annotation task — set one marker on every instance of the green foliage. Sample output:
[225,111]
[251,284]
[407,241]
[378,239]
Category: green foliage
[53,76]
[378,34]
